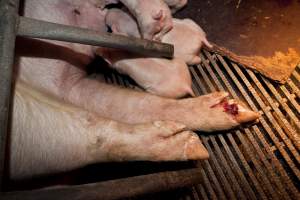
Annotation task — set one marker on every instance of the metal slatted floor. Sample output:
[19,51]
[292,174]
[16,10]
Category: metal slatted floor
[260,161]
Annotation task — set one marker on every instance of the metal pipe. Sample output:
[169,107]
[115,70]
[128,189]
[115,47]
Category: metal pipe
[8,16]
[41,29]
[115,189]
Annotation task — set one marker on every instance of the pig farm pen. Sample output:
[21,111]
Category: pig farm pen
[258,161]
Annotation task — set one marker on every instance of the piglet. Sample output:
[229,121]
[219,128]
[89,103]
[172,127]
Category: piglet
[163,77]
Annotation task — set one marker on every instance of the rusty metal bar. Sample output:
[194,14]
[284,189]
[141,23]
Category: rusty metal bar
[212,177]
[289,130]
[293,87]
[220,87]
[229,87]
[274,124]
[114,189]
[8,16]
[282,102]
[218,170]
[275,161]
[40,29]
[245,164]
[291,98]
[262,120]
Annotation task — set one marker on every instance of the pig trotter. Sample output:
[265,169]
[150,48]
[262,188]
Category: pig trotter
[212,112]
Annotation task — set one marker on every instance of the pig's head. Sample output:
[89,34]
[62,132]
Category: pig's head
[157,25]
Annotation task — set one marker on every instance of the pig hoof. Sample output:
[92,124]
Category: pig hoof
[157,141]
[170,141]
[214,112]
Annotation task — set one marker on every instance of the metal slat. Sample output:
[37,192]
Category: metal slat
[223,79]
[206,182]
[218,170]
[290,131]
[242,159]
[284,176]
[253,107]
[274,124]
[294,88]
[231,178]
[239,174]
[291,98]
[220,87]
[282,102]
[212,177]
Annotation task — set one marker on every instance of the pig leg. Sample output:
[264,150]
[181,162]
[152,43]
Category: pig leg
[206,113]
[49,136]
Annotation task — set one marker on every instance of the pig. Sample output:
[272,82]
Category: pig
[60,111]
[154,17]
[163,77]
[176,5]
[50,136]
[186,36]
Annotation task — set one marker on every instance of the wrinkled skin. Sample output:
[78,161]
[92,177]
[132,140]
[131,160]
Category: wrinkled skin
[46,137]
[176,5]
[162,77]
